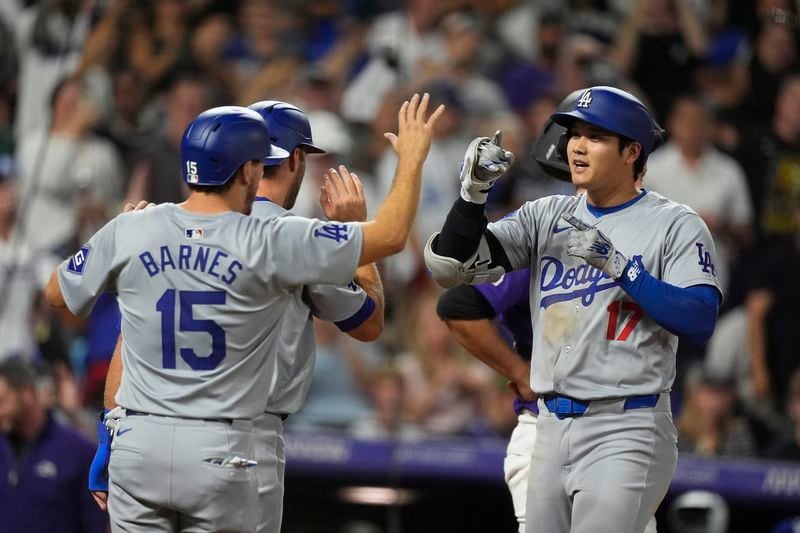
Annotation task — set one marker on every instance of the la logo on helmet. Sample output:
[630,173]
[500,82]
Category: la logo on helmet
[586,99]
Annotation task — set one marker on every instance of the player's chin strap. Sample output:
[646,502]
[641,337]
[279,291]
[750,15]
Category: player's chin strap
[449,272]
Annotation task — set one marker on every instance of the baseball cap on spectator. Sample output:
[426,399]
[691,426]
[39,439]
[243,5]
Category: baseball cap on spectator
[727,47]
[444,92]
[330,132]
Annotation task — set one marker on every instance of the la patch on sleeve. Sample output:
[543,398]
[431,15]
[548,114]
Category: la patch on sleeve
[78,261]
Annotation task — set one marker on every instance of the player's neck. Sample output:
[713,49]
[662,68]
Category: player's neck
[200,202]
[611,197]
[273,190]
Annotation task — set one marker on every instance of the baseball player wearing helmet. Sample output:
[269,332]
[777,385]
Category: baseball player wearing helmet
[202,289]
[618,273]
[477,314]
[356,308]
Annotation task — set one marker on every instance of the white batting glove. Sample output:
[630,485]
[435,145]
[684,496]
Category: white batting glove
[484,162]
[113,417]
[589,243]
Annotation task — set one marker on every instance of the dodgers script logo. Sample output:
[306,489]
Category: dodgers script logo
[561,284]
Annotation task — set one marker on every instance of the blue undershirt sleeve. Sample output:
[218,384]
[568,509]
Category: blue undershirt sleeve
[686,312]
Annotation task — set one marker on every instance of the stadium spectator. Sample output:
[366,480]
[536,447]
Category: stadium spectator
[71,180]
[263,56]
[443,385]
[400,45]
[388,419]
[657,46]
[153,178]
[127,125]
[691,171]
[775,56]
[772,317]
[709,423]
[49,42]
[769,156]
[23,275]
[159,39]
[787,446]
[43,464]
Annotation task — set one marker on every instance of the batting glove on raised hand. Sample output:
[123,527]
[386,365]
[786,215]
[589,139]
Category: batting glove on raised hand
[589,243]
[484,162]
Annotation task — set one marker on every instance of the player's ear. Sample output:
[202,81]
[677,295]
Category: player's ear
[633,151]
[294,159]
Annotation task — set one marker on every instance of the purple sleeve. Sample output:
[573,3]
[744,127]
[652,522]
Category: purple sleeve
[509,291]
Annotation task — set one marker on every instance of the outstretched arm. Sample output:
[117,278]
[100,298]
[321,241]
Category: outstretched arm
[342,198]
[387,233]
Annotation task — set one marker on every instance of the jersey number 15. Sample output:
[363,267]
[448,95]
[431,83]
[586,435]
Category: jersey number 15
[187,322]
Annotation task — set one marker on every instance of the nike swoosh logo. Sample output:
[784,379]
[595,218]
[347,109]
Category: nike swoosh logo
[124,430]
[559,230]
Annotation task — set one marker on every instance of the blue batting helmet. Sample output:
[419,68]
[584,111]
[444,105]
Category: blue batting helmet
[222,139]
[616,111]
[288,126]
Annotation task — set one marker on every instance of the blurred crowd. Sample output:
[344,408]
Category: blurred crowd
[95,94]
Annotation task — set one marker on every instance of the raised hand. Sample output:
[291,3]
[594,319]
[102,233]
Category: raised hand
[342,196]
[485,161]
[592,246]
[414,131]
[141,205]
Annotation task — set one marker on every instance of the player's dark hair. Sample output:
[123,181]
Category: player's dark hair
[18,373]
[270,172]
[638,165]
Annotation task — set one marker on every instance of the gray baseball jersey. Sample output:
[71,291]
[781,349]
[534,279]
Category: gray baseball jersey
[591,340]
[202,298]
[345,305]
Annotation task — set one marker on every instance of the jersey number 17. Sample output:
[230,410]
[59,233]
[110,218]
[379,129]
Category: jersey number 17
[614,310]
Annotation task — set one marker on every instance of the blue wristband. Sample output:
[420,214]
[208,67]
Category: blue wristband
[98,471]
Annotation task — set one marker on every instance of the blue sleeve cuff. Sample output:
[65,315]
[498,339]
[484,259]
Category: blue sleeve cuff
[98,471]
[358,318]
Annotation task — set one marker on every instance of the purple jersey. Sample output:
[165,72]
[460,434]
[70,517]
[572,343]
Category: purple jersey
[509,300]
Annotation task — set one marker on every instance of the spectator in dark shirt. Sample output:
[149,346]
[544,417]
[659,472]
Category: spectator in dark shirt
[43,464]
[772,317]
[787,447]
[658,45]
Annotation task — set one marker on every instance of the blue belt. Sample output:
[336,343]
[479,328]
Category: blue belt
[566,407]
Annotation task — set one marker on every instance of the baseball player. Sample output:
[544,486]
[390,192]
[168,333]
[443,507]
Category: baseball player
[202,290]
[617,274]
[357,312]
[356,308]
[477,314]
